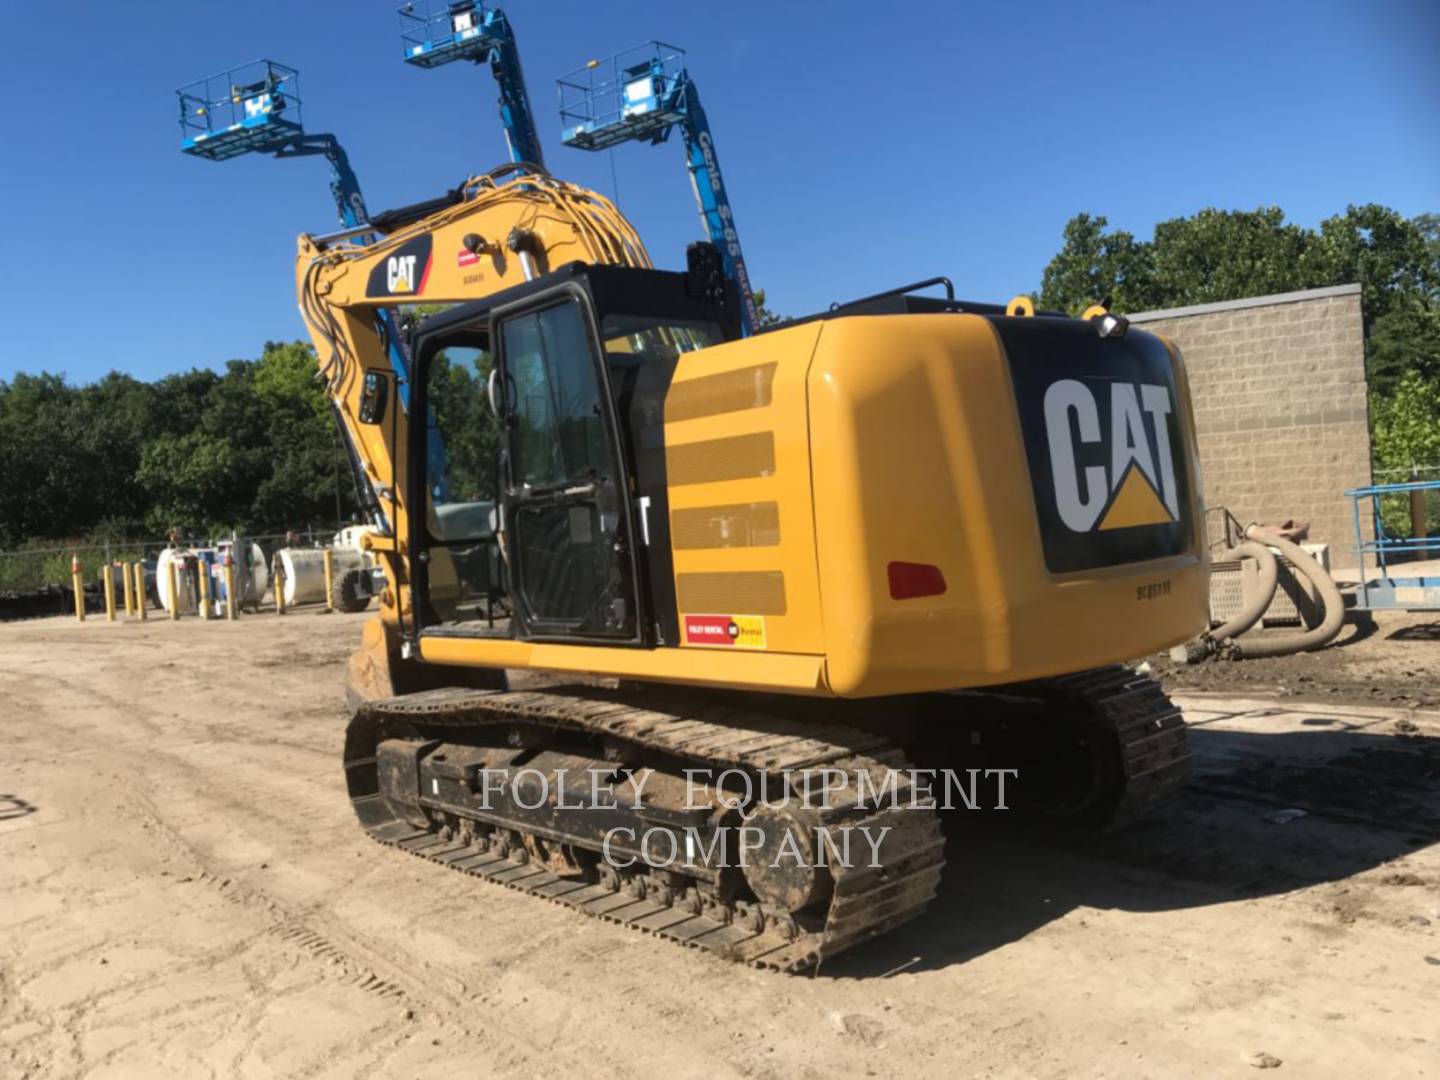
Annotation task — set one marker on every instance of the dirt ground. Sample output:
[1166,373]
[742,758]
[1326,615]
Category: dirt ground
[1390,658]
[184,892]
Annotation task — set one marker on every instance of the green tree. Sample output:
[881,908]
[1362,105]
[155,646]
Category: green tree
[308,477]
[1216,255]
[187,478]
[1093,265]
[1405,432]
[254,447]
[1224,254]
[765,315]
[460,408]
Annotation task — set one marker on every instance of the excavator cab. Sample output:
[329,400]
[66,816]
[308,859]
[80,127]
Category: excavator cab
[575,366]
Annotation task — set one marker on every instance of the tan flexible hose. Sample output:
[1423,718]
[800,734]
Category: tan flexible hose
[1330,597]
[1269,574]
[1212,641]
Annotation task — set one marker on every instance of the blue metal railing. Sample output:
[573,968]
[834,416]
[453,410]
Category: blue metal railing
[239,110]
[636,93]
[435,31]
[1416,592]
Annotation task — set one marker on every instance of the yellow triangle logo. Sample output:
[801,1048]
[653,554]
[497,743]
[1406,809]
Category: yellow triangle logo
[1135,503]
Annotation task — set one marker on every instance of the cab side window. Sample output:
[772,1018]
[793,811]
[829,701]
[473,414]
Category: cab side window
[559,427]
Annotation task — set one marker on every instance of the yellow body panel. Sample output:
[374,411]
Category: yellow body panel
[897,439]
[800,463]
[919,459]
[783,481]
[780,672]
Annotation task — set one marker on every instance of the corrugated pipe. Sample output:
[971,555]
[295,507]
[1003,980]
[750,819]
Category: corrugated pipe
[1330,597]
[1216,640]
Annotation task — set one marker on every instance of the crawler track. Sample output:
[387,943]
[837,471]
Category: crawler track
[1140,730]
[863,902]
[1148,732]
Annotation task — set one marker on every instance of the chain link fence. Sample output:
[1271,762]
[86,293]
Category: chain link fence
[36,580]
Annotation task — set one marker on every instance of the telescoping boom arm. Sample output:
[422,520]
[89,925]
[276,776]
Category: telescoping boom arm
[437,32]
[642,95]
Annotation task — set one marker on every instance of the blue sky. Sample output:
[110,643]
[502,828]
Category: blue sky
[863,145]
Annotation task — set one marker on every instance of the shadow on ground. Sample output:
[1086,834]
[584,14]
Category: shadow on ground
[1367,799]
[1418,632]
[12,806]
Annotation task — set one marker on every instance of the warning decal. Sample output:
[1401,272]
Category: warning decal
[733,631]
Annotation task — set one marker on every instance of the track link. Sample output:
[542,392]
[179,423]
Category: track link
[1148,732]
[865,901]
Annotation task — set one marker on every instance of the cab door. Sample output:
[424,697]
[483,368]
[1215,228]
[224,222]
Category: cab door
[565,519]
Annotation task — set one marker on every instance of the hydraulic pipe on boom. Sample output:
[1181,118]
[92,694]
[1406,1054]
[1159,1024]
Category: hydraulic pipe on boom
[441,32]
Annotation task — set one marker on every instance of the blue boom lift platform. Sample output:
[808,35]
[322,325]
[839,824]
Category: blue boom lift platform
[255,109]
[642,95]
[436,32]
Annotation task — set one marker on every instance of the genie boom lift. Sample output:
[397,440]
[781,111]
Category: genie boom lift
[440,33]
[643,94]
[255,109]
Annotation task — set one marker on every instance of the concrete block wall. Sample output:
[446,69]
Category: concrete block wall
[1278,384]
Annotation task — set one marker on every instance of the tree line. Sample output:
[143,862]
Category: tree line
[254,447]
[1217,255]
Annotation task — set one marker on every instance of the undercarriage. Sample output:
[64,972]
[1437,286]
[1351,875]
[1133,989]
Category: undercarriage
[742,826]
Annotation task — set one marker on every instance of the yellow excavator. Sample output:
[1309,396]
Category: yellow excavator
[909,530]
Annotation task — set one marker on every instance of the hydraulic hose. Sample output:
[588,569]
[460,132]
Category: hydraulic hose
[1330,598]
[1216,640]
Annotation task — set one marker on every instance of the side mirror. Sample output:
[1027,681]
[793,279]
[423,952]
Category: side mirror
[374,395]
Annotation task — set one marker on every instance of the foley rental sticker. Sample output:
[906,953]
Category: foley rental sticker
[733,631]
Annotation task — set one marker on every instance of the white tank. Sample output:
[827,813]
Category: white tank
[252,574]
[352,538]
[304,570]
[249,586]
[185,583]
[259,575]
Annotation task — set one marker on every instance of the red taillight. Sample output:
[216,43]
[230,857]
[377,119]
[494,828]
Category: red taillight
[909,580]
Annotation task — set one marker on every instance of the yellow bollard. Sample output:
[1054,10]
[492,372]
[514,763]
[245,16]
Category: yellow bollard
[229,586]
[204,590]
[77,582]
[174,583]
[107,589]
[129,586]
[140,590]
[278,579]
[329,561]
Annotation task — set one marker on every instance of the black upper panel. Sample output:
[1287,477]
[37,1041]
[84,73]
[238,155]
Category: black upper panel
[1104,441]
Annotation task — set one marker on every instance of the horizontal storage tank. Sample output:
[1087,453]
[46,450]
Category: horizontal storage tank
[252,573]
[252,576]
[304,570]
[184,580]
